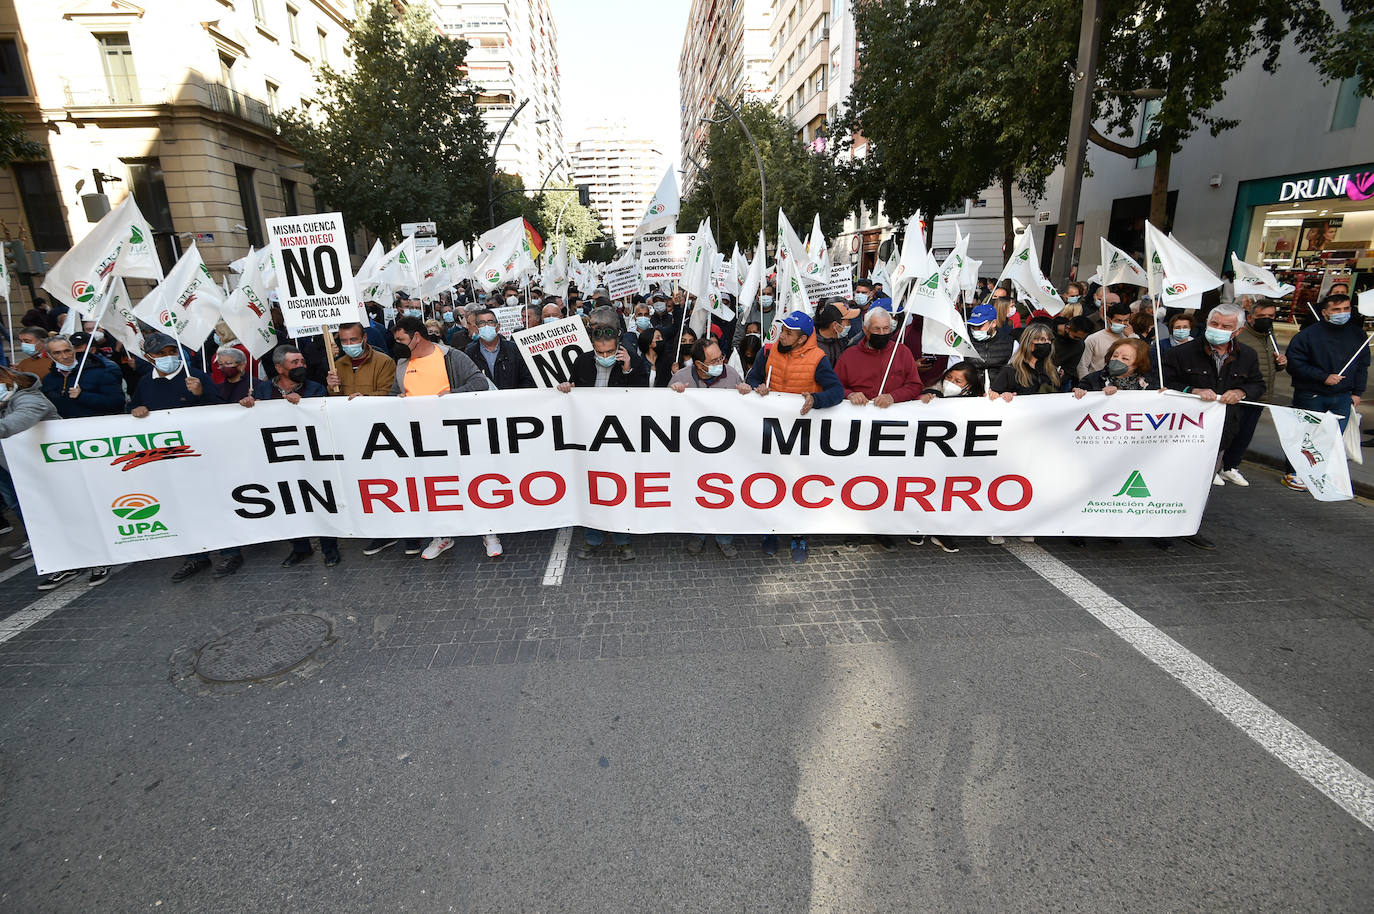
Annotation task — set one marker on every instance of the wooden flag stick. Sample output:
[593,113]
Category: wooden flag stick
[332,353]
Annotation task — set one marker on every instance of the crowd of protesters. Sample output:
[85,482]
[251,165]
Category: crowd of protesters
[857,349]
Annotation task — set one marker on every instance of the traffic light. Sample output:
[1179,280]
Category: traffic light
[584,194]
[19,258]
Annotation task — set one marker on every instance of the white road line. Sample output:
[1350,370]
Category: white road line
[26,564]
[558,558]
[1347,786]
[45,606]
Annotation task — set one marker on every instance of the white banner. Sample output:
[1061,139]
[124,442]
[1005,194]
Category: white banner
[664,257]
[314,278]
[107,490]
[510,318]
[840,282]
[549,350]
[622,282]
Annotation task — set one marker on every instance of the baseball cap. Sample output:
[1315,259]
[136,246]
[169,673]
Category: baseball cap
[154,342]
[799,321]
[982,315]
[80,338]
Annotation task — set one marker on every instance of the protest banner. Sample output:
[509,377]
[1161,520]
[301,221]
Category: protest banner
[314,278]
[549,350]
[510,317]
[106,490]
[664,257]
[839,283]
[426,234]
[622,282]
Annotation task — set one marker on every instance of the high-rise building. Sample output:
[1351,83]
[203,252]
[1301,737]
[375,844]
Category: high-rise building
[799,73]
[623,171]
[168,101]
[725,53]
[514,57]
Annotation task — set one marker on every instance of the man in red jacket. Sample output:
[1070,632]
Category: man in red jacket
[862,367]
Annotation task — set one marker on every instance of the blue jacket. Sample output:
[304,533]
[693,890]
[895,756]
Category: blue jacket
[510,371]
[102,389]
[156,392]
[1321,349]
[266,390]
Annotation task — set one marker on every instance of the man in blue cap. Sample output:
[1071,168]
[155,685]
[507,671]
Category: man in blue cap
[994,347]
[795,365]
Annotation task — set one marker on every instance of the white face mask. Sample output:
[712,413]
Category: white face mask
[950,389]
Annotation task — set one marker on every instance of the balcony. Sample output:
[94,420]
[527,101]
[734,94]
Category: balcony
[228,101]
[120,98]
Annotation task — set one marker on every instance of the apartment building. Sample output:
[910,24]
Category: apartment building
[514,57]
[725,53]
[623,171]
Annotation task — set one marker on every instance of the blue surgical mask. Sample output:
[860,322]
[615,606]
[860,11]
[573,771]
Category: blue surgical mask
[860,298]
[715,371]
[605,361]
[765,302]
[353,350]
[486,333]
[980,335]
[28,348]
[658,307]
[1183,334]
[1118,329]
[414,312]
[215,335]
[1217,336]
[6,391]
[448,317]
[60,367]
[1338,319]
[1073,299]
[167,364]
[550,320]
[643,323]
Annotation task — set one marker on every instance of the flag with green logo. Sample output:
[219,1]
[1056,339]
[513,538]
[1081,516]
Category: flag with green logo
[187,303]
[120,244]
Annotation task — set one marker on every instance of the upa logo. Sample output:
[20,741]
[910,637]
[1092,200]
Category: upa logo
[83,291]
[493,275]
[1134,487]
[137,512]
[1177,288]
[657,209]
[953,340]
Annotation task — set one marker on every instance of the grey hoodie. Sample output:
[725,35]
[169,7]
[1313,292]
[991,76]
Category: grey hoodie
[27,407]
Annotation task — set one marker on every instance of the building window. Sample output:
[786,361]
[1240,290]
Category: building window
[260,12]
[1347,104]
[117,57]
[324,45]
[293,26]
[288,197]
[12,81]
[150,193]
[273,98]
[248,199]
[38,193]
[1148,112]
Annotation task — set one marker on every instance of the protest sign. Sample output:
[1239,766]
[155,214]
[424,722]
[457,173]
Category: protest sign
[106,490]
[510,317]
[549,350]
[839,283]
[314,279]
[622,282]
[664,257]
[426,234]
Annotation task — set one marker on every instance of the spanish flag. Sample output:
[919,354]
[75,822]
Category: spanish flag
[533,242]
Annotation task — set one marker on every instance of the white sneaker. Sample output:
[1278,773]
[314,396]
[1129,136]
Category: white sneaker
[996,540]
[1026,539]
[1234,476]
[493,544]
[1218,479]
[437,546]
[23,552]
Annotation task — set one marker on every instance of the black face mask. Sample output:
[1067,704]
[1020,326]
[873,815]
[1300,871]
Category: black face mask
[1263,324]
[296,375]
[878,340]
[1042,350]
[785,348]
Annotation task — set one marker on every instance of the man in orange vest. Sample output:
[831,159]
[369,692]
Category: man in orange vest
[795,364]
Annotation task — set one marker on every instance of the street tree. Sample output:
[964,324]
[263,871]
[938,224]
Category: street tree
[398,137]
[800,181]
[578,224]
[15,145]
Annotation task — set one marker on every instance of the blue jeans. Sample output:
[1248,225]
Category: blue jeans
[597,537]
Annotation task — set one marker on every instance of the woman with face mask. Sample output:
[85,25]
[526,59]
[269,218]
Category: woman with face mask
[656,357]
[1074,296]
[962,379]
[1032,369]
[1129,367]
[1180,328]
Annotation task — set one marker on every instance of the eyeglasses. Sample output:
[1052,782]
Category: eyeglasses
[605,333]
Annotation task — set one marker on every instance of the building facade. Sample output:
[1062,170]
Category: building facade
[799,40]
[514,57]
[623,172]
[725,53]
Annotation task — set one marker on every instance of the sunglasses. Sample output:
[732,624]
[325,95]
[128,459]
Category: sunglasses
[605,333]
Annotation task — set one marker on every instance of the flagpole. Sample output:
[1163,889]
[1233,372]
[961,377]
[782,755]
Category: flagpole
[1356,355]
[104,303]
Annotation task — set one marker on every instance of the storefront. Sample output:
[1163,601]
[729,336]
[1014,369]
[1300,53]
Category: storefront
[1311,229]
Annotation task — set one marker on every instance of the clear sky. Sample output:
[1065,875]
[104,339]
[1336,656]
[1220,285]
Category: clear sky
[618,61]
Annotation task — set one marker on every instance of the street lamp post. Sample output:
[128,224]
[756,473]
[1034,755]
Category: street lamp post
[763,185]
[1079,122]
[491,175]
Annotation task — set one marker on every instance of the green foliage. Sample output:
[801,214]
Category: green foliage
[15,144]
[800,182]
[579,225]
[397,138]
[1348,53]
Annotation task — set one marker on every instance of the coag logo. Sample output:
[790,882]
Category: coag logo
[402,258]
[135,507]
[83,291]
[137,511]
[1177,288]
[953,340]
[493,275]
[167,317]
[933,282]
[656,209]
[1134,487]
[118,447]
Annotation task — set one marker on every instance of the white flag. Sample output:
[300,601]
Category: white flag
[663,208]
[434,272]
[1119,267]
[398,268]
[753,280]
[1312,443]
[5,279]
[937,339]
[1253,280]
[791,295]
[459,263]
[119,320]
[369,282]
[247,310]
[817,257]
[556,274]
[790,246]
[121,244]
[1023,269]
[1177,278]
[739,268]
[882,273]
[187,303]
[915,262]
[952,270]
[701,256]
[496,257]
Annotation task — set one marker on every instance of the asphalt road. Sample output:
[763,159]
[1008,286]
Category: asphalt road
[908,731]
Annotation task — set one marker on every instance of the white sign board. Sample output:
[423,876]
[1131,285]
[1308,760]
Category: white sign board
[426,234]
[511,318]
[664,257]
[314,276]
[840,283]
[622,283]
[549,350]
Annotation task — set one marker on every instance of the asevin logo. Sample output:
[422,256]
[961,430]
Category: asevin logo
[118,446]
[137,511]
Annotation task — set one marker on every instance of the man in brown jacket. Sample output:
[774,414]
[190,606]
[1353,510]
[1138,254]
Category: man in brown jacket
[360,370]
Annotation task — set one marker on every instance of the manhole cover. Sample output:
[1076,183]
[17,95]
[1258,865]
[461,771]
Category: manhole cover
[263,648]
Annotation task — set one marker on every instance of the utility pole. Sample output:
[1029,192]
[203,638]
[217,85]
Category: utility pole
[1080,121]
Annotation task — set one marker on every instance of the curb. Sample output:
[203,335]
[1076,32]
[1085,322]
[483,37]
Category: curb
[1361,489]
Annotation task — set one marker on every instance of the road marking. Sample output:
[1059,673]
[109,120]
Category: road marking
[45,606]
[1347,786]
[558,558]
[25,564]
